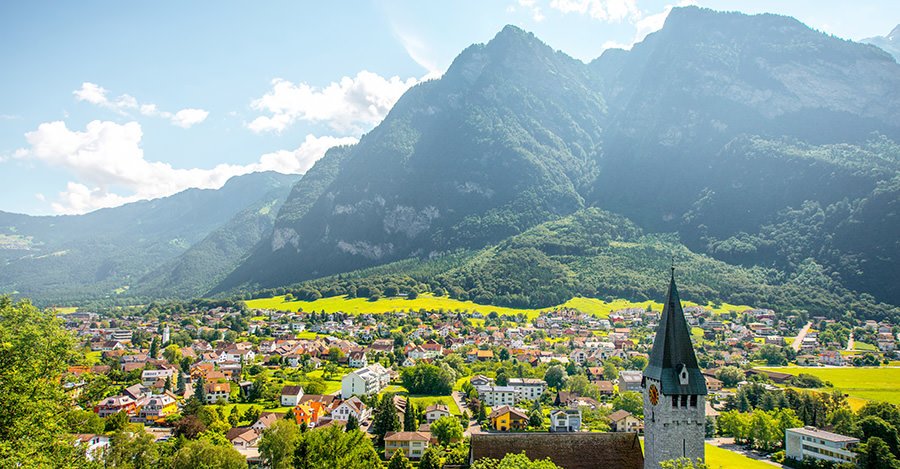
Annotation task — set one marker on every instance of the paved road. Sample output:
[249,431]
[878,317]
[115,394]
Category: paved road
[798,341]
[473,427]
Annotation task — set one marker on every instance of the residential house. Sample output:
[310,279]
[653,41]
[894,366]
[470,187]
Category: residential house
[94,445]
[243,437]
[265,420]
[115,404]
[832,358]
[436,411]
[630,380]
[480,380]
[217,392]
[358,359]
[623,421]
[352,406]
[158,407]
[307,413]
[565,420]
[412,444]
[506,418]
[150,377]
[291,395]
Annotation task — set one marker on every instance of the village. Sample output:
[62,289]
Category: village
[448,375]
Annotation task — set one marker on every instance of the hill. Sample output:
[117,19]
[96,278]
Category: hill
[77,257]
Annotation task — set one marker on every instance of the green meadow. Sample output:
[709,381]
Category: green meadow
[426,301]
[869,383]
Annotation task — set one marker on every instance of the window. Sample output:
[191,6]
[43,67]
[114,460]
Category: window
[675,401]
[684,401]
[693,401]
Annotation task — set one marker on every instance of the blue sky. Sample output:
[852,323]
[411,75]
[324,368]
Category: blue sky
[106,102]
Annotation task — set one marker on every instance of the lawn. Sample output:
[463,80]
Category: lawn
[718,458]
[425,401]
[65,309]
[430,302]
[864,347]
[93,357]
[875,384]
[332,384]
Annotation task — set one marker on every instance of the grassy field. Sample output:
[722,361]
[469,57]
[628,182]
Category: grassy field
[875,384]
[862,346]
[718,458]
[93,357]
[425,401]
[65,309]
[427,301]
[333,384]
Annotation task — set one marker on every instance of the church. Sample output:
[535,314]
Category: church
[674,390]
[674,413]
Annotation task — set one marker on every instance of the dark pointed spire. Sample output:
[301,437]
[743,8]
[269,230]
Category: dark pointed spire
[673,351]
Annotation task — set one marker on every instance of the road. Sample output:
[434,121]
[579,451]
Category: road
[798,341]
[473,427]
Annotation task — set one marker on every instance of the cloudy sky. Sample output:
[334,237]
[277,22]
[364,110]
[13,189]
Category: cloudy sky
[105,103]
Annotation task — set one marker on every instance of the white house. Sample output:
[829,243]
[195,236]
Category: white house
[352,406]
[291,395]
[565,420]
[810,442]
[358,360]
[94,445]
[436,411]
[149,377]
[365,381]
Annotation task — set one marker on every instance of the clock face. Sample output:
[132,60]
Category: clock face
[654,394]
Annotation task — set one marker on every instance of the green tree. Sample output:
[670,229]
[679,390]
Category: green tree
[172,354]
[409,418]
[447,429]
[133,448]
[629,401]
[501,379]
[279,442]
[352,424]
[610,371]
[200,390]
[234,417]
[730,376]
[330,447]
[34,353]
[683,463]
[385,418]
[116,422]
[514,461]
[154,348]
[873,426]
[399,461]
[876,454]
[431,459]
[425,378]
[207,453]
[555,377]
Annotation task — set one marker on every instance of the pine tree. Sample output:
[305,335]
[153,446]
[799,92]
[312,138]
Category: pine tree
[385,419]
[352,424]
[409,418]
[154,348]
[482,412]
[168,385]
[200,390]
[399,461]
[431,459]
[180,384]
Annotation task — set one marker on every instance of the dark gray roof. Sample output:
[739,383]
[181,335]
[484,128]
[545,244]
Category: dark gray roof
[672,347]
[570,450]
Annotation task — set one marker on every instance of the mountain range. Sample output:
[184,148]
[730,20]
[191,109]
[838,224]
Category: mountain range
[760,153]
[890,43]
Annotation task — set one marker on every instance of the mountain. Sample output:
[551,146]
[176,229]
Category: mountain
[756,141]
[72,257]
[889,43]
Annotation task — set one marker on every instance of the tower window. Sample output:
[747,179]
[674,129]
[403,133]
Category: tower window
[693,401]
[674,401]
[684,401]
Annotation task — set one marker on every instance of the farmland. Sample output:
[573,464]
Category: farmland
[426,301]
[876,384]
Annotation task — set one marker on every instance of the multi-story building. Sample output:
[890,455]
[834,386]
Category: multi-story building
[149,377]
[217,392]
[413,444]
[810,442]
[495,396]
[365,381]
[115,404]
[528,388]
[565,420]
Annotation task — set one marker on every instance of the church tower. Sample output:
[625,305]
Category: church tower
[674,391]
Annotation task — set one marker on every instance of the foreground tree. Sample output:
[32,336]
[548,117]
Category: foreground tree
[208,453]
[683,463]
[133,448]
[514,461]
[331,447]
[447,429]
[34,353]
[279,442]
[385,419]
[431,459]
[399,461]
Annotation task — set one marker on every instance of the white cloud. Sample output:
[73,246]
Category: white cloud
[611,11]
[185,118]
[421,54]
[531,5]
[97,95]
[109,167]
[351,105]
